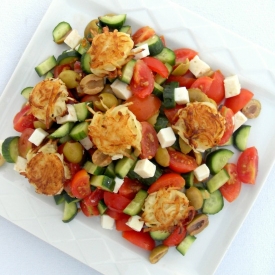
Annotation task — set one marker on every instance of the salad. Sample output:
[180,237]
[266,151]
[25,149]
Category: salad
[126,128]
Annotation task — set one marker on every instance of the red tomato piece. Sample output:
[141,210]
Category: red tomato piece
[247,165]
[73,167]
[236,103]
[24,145]
[203,83]
[180,162]
[163,40]
[80,184]
[121,224]
[114,214]
[167,180]
[185,80]
[59,69]
[144,108]
[232,188]
[88,210]
[176,236]
[143,34]
[149,141]
[115,202]
[216,91]
[142,82]
[141,239]
[171,114]
[156,66]
[229,125]
[94,197]
[129,188]
[184,53]
[23,119]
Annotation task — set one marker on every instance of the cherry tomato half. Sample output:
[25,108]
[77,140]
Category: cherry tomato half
[184,53]
[141,239]
[129,188]
[156,66]
[115,202]
[176,236]
[143,34]
[23,119]
[24,145]
[229,125]
[216,91]
[203,83]
[80,185]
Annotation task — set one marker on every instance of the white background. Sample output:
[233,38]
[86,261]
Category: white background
[252,251]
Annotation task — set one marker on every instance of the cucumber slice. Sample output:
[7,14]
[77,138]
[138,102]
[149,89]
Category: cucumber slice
[46,65]
[159,235]
[159,79]
[102,207]
[85,63]
[240,137]
[60,32]
[70,211]
[110,171]
[82,111]
[63,130]
[93,169]
[124,165]
[64,139]
[49,75]
[217,181]
[158,90]
[68,57]
[162,122]
[103,182]
[126,29]
[189,179]
[185,244]
[167,56]
[135,206]
[83,46]
[217,159]
[154,43]
[26,92]
[112,21]
[59,199]
[70,199]
[79,131]
[127,71]
[169,95]
[214,204]
[10,149]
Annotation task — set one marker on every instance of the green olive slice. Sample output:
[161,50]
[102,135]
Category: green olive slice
[157,253]
[199,222]
[162,157]
[252,109]
[195,197]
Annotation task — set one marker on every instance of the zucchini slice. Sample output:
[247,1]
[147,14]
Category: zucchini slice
[112,21]
[10,149]
[61,31]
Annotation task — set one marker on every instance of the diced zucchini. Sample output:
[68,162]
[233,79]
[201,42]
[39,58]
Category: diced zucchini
[217,159]
[79,131]
[85,63]
[70,211]
[63,130]
[46,65]
[68,57]
[186,244]
[61,31]
[154,43]
[112,21]
[135,206]
[214,204]
[93,169]
[26,92]
[240,137]
[167,56]
[127,71]
[103,182]
[217,181]
[10,149]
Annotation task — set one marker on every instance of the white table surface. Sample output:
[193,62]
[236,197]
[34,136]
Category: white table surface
[253,249]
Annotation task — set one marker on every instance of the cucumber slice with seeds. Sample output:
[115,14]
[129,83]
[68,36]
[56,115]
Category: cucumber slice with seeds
[240,137]
[217,181]
[154,43]
[79,131]
[214,204]
[10,149]
[63,130]
[61,31]
[135,206]
[167,56]
[70,211]
[127,71]
[102,182]
[112,21]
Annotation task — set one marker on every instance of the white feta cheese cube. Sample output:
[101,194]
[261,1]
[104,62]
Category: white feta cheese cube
[38,136]
[181,95]
[1,142]
[202,172]
[166,137]
[135,223]
[145,168]
[107,222]
[232,86]
[20,165]
[239,119]
[198,67]
[118,183]
[121,89]
[141,51]
[86,143]
[73,39]
[118,156]
[70,117]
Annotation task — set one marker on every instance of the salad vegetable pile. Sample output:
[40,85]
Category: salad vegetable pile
[126,128]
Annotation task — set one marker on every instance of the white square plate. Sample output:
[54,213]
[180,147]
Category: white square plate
[83,238]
